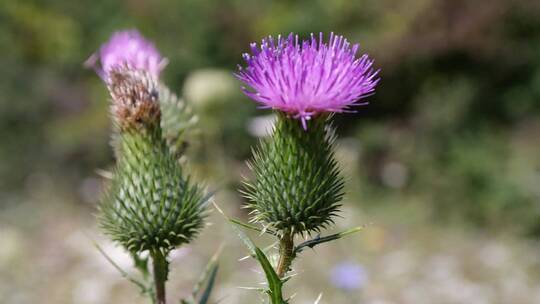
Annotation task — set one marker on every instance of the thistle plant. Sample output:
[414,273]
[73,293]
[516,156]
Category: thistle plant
[297,186]
[151,204]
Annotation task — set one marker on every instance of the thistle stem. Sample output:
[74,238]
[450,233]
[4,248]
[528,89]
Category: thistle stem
[286,253]
[161,269]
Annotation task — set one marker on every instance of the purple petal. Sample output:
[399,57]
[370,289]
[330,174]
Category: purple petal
[310,76]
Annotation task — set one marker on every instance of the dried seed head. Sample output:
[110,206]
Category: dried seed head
[134,98]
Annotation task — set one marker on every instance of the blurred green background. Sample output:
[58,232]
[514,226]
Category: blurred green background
[443,165]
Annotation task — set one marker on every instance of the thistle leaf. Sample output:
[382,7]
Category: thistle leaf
[275,284]
[241,234]
[319,240]
[144,289]
[205,296]
[141,264]
[252,227]
[208,276]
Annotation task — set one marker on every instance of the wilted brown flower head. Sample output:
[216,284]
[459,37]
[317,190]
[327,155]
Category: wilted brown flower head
[134,98]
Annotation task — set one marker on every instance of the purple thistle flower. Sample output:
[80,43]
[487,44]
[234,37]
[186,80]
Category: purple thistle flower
[127,48]
[306,78]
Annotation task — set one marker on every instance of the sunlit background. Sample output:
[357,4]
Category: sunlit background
[443,166]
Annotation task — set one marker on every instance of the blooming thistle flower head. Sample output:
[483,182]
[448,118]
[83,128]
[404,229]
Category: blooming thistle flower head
[127,48]
[306,78]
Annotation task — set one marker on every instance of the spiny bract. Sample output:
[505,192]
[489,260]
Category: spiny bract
[177,120]
[150,205]
[297,186]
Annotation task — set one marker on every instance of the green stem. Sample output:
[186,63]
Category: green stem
[161,270]
[286,253]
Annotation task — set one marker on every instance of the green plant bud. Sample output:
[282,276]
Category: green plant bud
[150,205]
[297,184]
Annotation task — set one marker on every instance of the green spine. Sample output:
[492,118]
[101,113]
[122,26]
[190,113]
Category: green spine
[150,205]
[177,120]
[297,185]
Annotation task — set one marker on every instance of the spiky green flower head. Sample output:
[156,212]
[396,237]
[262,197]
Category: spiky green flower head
[150,204]
[297,186]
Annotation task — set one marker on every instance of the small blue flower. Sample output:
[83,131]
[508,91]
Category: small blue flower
[349,276]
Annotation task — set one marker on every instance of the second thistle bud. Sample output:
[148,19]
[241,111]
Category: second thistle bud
[150,204]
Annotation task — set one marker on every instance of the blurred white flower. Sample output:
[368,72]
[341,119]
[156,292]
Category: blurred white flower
[209,85]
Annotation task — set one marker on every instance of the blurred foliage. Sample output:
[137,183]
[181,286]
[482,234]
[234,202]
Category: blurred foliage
[454,123]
